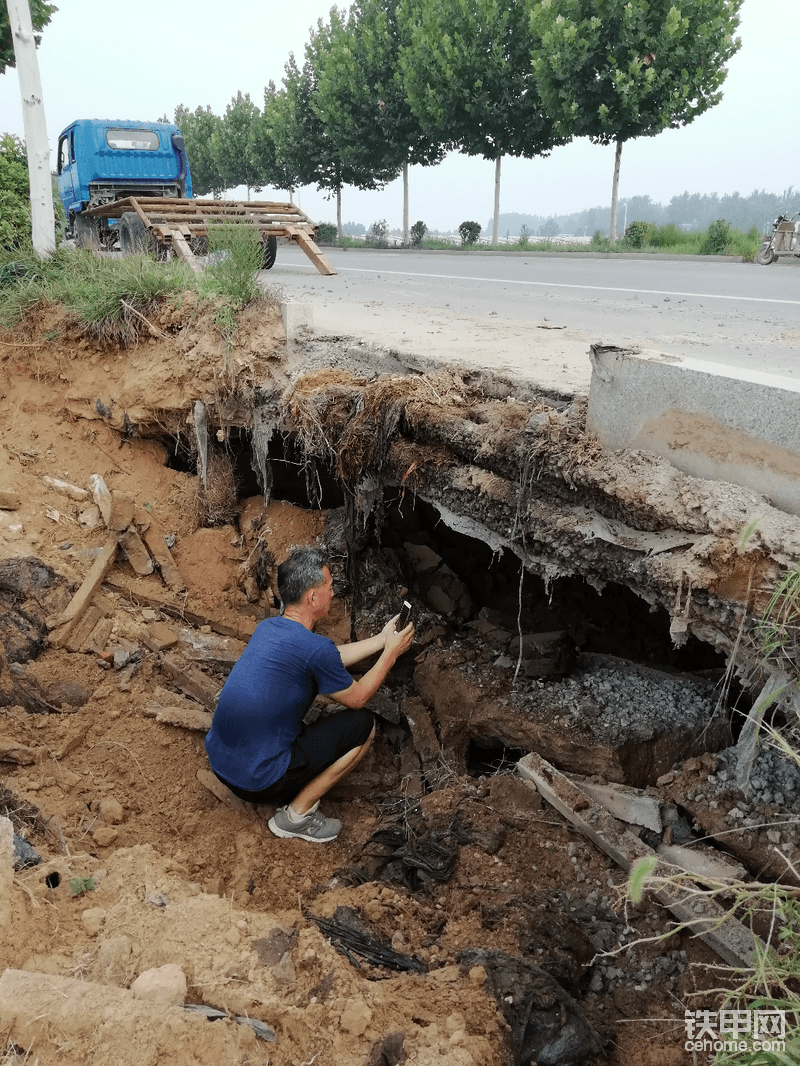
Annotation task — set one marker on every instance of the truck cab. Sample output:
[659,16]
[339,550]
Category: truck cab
[103,160]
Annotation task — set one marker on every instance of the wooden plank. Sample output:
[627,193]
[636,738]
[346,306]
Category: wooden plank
[183,251]
[138,555]
[83,596]
[242,631]
[91,616]
[731,940]
[134,203]
[192,682]
[312,251]
[154,539]
[97,640]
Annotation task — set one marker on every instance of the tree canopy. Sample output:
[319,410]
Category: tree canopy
[613,70]
[234,144]
[469,77]
[199,128]
[41,13]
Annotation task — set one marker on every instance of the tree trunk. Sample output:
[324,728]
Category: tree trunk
[405,203]
[339,214]
[496,221]
[43,230]
[615,193]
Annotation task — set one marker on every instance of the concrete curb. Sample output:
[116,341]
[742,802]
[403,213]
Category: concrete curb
[663,257]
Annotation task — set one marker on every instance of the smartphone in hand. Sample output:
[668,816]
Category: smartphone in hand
[402,621]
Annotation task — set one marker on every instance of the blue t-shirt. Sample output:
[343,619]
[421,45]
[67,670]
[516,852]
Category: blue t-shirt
[263,702]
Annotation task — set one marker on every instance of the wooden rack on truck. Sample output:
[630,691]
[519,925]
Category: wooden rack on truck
[160,223]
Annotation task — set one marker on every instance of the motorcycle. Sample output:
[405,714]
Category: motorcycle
[784,240]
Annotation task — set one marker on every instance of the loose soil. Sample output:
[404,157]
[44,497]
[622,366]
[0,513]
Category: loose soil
[172,875]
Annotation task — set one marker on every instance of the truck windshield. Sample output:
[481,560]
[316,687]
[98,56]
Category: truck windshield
[141,140]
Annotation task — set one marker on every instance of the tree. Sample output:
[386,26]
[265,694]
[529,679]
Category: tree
[199,129]
[361,96]
[468,75]
[41,13]
[272,170]
[613,70]
[304,145]
[15,206]
[233,144]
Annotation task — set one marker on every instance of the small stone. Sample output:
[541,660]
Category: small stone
[111,811]
[104,835]
[164,984]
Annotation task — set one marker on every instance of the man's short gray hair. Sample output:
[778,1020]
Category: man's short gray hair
[299,572]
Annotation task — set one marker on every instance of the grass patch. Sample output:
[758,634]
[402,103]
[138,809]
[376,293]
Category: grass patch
[113,297]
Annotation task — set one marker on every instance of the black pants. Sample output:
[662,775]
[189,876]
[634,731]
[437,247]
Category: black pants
[316,748]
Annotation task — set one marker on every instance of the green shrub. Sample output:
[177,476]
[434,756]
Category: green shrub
[637,234]
[716,238]
[418,231]
[469,232]
[327,233]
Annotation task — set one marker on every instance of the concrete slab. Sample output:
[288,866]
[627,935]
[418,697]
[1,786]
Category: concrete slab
[712,421]
[630,805]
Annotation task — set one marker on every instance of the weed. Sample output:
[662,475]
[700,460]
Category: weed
[326,233]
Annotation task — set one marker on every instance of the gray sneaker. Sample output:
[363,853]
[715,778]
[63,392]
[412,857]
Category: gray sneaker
[314,827]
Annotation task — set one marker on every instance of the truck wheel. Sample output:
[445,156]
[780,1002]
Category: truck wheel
[87,232]
[134,237]
[270,252]
[766,255]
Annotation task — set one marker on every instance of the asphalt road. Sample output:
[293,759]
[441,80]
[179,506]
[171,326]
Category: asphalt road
[737,313]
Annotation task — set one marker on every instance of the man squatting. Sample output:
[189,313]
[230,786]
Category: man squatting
[258,745]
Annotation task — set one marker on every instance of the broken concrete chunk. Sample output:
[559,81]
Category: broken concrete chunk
[6,869]
[66,489]
[423,558]
[89,517]
[703,862]
[630,805]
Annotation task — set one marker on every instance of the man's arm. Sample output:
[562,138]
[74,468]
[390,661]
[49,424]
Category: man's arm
[362,649]
[394,644]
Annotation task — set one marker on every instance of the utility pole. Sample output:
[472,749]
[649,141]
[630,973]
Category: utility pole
[43,229]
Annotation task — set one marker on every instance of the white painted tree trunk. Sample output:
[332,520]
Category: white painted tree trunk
[405,204]
[43,229]
[339,214]
[615,193]
[496,222]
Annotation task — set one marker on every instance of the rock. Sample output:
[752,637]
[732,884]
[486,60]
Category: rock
[164,984]
[284,971]
[440,601]
[390,1051]
[104,835]
[356,1017]
[93,919]
[89,517]
[423,559]
[110,811]
[25,855]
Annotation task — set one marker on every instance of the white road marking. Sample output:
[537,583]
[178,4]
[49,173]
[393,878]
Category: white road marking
[562,285]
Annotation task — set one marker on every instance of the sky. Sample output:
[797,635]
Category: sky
[141,61]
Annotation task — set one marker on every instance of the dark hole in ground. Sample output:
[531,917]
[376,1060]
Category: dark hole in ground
[53,880]
[614,622]
[485,760]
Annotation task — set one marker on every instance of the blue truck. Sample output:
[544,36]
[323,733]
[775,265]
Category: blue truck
[126,184]
[103,161]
